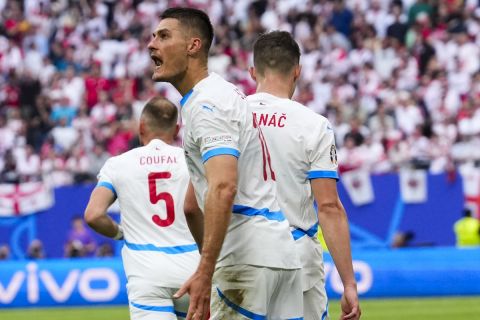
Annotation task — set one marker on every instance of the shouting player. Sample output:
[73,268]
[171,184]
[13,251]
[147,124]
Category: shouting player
[150,183]
[256,271]
[304,157]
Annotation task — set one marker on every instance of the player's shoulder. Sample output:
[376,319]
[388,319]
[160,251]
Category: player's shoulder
[311,116]
[218,91]
[122,158]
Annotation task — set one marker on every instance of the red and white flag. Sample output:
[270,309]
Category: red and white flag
[413,185]
[359,186]
[24,198]
[471,188]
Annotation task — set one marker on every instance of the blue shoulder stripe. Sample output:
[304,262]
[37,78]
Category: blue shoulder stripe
[316,174]
[220,151]
[107,185]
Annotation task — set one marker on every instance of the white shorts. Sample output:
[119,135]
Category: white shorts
[250,292]
[150,302]
[315,303]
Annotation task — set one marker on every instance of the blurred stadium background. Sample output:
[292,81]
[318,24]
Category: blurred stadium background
[399,80]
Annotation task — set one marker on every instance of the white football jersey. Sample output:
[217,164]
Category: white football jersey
[150,183]
[302,146]
[218,122]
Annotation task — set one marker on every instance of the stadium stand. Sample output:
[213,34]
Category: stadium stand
[399,79]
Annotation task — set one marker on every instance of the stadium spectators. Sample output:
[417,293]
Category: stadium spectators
[392,75]
[104,250]
[4,252]
[35,250]
[80,241]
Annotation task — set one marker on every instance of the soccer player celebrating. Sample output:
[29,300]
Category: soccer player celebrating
[150,183]
[248,249]
[304,157]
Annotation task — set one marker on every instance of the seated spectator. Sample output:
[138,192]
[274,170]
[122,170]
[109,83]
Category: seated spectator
[54,170]
[9,173]
[350,157]
[104,250]
[35,250]
[78,164]
[63,110]
[402,239]
[97,159]
[104,111]
[80,242]
[28,163]
[4,252]
[64,136]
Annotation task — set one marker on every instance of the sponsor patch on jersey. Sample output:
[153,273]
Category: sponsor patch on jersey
[216,139]
[333,154]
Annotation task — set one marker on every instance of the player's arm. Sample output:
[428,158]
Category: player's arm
[96,213]
[221,174]
[334,223]
[194,216]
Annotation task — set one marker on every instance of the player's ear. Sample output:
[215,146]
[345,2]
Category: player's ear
[141,129]
[296,72]
[177,130]
[253,73]
[194,46]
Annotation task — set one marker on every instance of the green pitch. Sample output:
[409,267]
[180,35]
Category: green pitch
[462,308]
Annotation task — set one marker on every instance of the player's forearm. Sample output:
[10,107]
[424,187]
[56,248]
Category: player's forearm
[334,224]
[102,224]
[218,207]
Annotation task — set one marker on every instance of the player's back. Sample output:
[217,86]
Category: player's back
[302,146]
[218,121]
[150,183]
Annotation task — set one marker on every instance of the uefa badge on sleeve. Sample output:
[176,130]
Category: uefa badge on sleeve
[333,154]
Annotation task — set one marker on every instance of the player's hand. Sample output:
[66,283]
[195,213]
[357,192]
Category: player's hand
[199,288]
[349,303]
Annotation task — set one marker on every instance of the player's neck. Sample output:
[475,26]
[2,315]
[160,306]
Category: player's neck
[276,87]
[167,139]
[193,76]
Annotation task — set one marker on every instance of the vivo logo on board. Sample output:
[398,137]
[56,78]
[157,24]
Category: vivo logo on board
[59,291]
[363,272]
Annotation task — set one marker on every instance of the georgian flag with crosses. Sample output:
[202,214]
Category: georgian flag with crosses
[24,198]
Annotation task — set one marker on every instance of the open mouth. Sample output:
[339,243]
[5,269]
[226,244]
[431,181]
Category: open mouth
[157,61]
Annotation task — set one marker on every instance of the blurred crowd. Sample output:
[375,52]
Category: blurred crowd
[79,243]
[399,80]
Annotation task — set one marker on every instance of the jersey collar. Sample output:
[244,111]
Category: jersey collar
[198,86]
[185,97]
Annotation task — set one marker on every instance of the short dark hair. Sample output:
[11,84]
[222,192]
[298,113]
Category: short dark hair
[277,51]
[160,114]
[195,20]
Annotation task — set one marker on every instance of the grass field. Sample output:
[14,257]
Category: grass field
[458,308]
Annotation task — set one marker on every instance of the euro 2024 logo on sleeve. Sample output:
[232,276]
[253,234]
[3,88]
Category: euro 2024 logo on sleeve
[333,154]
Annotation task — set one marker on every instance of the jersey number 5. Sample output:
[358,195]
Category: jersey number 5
[165,196]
